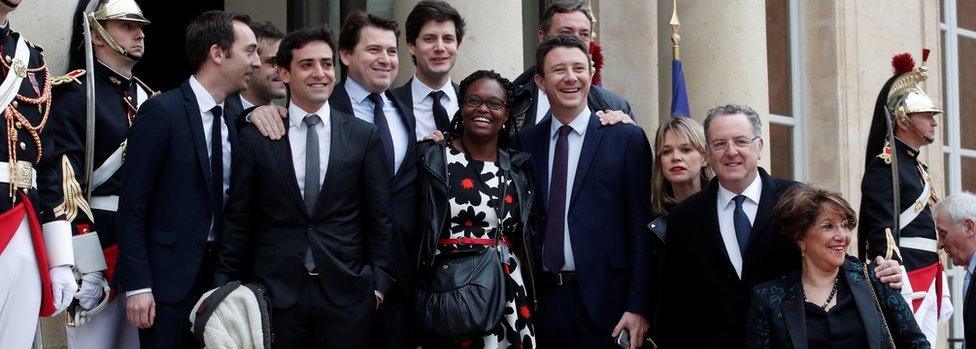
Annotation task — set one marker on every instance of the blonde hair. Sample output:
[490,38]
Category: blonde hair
[661,191]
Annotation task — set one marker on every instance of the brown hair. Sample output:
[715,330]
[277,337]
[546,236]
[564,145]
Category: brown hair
[662,193]
[798,209]
[563,6]
[354,24]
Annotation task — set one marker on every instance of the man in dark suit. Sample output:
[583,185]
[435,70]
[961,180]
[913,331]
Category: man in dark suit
[314,209]
[175,175]
[530,105]
[434,32]
[594,186]
[955,221]
[264,86]
[722,241]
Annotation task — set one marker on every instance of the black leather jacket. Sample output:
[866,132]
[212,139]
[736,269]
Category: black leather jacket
[433,206]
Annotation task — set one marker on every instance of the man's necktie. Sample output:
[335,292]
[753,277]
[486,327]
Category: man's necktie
[742,225]
[552,249]
[216,171]
[441,119]
[379,119]
[312,170]
[965,284]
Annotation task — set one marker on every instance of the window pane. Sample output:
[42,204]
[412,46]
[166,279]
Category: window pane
[781,150]
[967,96]
[947,176]
[778,60]
[966,14]
[968,175]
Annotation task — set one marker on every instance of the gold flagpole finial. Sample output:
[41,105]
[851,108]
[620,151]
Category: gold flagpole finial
[675,26]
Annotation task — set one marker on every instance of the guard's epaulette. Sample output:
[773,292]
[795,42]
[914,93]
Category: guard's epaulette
[35,46]
[885,155]
[69,77]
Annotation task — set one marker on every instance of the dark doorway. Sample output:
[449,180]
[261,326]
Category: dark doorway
[165,65]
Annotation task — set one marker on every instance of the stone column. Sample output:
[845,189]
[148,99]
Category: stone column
[723,50]
[492,38]
[631,56]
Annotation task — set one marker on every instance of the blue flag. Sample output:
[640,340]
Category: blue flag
[679,95]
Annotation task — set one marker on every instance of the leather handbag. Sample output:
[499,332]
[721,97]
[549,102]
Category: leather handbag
[463,296]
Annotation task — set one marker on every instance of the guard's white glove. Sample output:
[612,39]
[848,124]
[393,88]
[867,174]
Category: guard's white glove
[64,286]
[91,291]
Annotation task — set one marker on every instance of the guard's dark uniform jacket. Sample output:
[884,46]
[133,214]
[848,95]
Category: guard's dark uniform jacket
[876,214]
[116,101]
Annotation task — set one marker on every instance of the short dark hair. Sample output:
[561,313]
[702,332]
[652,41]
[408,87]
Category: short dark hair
[798,208]
[563,40]
[432,10]
[508,133]
[298,39]
[265,30]
[563,6]
[354,24]
[208,29]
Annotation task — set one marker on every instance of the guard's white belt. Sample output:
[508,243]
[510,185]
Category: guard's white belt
[105,203]
[917,243]
[22,166]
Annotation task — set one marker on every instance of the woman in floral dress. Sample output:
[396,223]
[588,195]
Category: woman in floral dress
[463,182]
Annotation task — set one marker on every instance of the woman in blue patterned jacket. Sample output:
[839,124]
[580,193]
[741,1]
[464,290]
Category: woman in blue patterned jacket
[835,301]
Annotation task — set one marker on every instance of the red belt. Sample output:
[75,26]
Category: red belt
[474,241]
[9,222]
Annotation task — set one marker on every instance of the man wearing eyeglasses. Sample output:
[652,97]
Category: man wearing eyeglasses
[264,85]
[722,241]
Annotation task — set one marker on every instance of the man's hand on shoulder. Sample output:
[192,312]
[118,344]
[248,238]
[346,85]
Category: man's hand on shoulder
[612,117]
[269,120]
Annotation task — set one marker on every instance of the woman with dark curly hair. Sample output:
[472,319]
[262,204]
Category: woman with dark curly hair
[835,301]
[474,289]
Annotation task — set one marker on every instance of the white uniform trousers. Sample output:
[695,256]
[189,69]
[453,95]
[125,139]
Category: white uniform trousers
[107,329]
[20,290]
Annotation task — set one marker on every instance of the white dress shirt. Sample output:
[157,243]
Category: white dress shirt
[363,108]
[726,207]
[423,105]
[575,143]
[297,137]
[541,106]
[246,104]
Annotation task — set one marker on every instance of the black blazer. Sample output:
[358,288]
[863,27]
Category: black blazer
[403,192]
[165,208]
[969,315]
[349,229]
[608,211]
[776,317]
[699,277]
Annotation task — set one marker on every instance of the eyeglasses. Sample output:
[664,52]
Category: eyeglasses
[492,103]
[739,143]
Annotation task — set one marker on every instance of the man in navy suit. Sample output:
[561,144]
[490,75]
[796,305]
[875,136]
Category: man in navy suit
[594,191]
[176,174]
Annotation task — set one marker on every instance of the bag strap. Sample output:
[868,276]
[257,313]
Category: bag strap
[877,304]
[209,306]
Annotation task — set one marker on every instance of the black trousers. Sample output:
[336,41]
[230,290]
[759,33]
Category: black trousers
[392,328]
[315,322]
[564,323]
[171,327]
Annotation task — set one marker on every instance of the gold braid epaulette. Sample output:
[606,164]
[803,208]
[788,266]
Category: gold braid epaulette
[69,77]
[892,249]
[74,199]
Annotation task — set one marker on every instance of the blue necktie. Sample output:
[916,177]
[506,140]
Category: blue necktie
[742,225]
[379,119]
[965,285]
[552,249]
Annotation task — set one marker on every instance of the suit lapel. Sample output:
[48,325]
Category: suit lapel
[407,118]
[337,124]
[285,160]
[540,159]
[339,100]
[591,142]
[196,129]
[710,213]
[793,315]
[767,201]
[861,291]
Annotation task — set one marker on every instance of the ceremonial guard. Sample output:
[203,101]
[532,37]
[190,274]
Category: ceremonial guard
[897,193]
[35,260]
[88,154]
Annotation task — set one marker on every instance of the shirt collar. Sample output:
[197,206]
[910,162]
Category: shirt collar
[204,99]
[296,114]
[972,263]
[356,91]
[112,77]
[578,124]
[753,192]
[420,91]
[245,104]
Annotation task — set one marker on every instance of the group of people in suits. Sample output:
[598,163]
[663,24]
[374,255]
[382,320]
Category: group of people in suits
[346,202]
